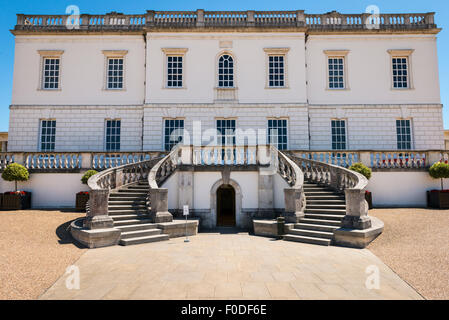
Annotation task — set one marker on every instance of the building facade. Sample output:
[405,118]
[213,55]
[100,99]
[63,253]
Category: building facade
[304,82]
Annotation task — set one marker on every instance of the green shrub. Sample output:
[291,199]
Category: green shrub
[439,170]
[362,169]
[15,172]
[87,175]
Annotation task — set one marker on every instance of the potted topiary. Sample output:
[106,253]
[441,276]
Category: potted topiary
[17,200]
[365,171]
[82,197]
[439,198]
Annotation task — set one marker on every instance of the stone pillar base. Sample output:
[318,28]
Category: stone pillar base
[160,217]
[98,222]
[97,238]
[293,217]
[354,222]
[358,238]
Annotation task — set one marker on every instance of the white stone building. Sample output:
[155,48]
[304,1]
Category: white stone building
[339,88]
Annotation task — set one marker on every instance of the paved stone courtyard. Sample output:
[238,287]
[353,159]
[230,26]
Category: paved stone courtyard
[230,266]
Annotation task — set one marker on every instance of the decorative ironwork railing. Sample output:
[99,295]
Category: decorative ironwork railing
[200,18]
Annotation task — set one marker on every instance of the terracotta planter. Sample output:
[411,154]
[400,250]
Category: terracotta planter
[369,199]
[438,199]
[16,201]
[81,201]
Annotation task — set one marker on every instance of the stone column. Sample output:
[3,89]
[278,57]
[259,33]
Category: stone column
[300,18]
[294,210]
[266,195]
[97,215]
[365,158]
[356,210]
[159,206]
[200,18]
[250,20]
[185,188]
[86,160]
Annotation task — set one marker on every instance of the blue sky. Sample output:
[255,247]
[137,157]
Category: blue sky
[9,9]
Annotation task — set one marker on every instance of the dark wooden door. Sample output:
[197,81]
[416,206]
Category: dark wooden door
[226,206]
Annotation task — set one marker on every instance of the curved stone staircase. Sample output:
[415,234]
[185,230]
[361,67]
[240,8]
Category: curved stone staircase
[324,212]
[127,208]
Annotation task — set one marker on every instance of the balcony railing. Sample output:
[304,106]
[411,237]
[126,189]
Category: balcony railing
[223,155]
[225,19]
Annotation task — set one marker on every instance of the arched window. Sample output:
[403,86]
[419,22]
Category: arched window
[225,71]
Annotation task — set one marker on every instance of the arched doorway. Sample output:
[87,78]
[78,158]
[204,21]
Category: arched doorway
[226,206]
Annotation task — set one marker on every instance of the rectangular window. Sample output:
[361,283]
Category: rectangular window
[400,72]
[404,134]
[48,135]
[336,66]
[338,134]
[174,133]
[226,132]
[113,135]
[277,133]
[174,71]
[115,73]
[50,73]
[276,67]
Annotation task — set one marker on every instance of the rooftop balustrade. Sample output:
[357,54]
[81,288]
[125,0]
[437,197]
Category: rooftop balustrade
[332,21]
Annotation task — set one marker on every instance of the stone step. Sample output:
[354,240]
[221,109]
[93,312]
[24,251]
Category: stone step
[146,239]
[324,197]
[128,211]
[122,202]
[133,191]
[325,205]
[120,217]
[331,209]
[321,222]
[127,195]
[316,227]
[137,227]
[319,193]
[324,216]
[312,233]
[304,239]
[140,233]
[131,222]
[137,189]
[325,201]
[133,206]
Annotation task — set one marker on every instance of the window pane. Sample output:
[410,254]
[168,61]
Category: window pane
[113,135]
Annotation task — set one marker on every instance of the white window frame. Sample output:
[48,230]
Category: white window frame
[411,133]
[276,52]
[40,136]
[49,54]
[402,53]
[217,75]
[177,52]
[338,54]
[114,54]
[345,135]
[106,135]
[287,132]
[164,126]
[219,143]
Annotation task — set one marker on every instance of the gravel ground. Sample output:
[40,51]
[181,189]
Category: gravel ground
[415,244]
[35,250]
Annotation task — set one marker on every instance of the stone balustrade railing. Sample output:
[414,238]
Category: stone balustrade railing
[55,161]
[342,180]
[102,183]
[207,19]
[221,155]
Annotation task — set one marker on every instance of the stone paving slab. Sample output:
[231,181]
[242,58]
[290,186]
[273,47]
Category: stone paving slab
[230,266]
